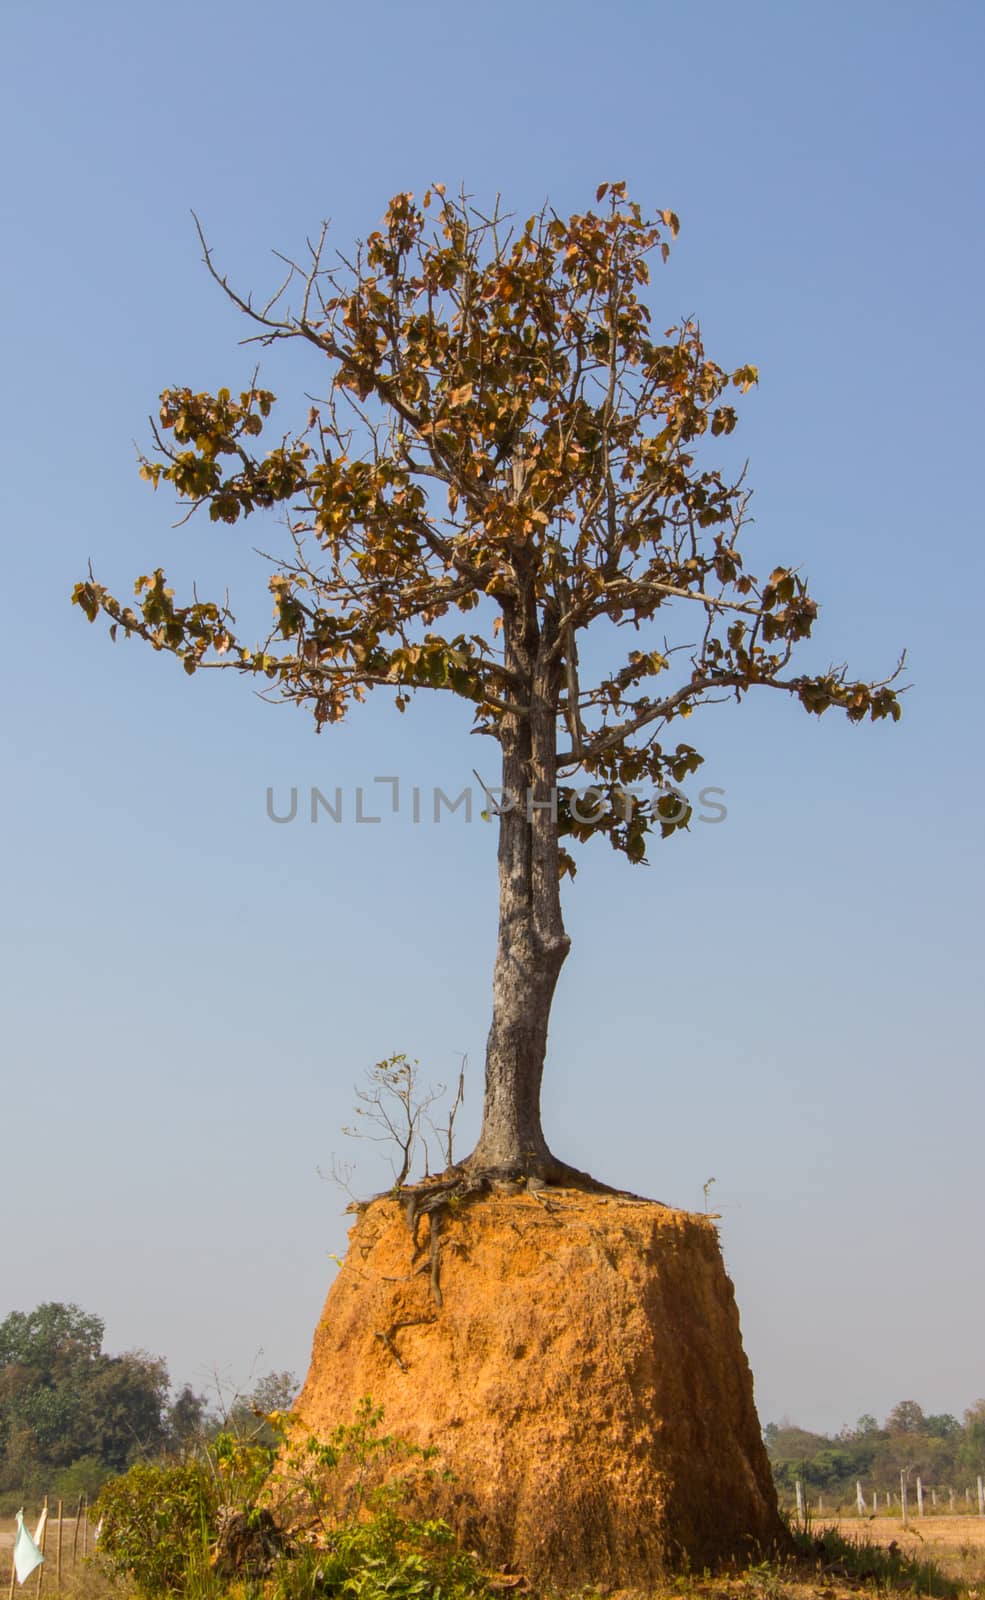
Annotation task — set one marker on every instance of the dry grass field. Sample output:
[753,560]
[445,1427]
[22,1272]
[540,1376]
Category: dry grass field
[945,1530]
[954,1543]
[921,1533]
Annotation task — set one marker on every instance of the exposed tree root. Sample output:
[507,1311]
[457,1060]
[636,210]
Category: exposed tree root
[247,1545]
[434,1224]
[467,1182]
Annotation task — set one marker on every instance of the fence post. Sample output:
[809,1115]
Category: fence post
[951,1494]
[800,1502]
[902,1495]
[981,1498]
[10,1591]
[58,1551]
[75,1532]
[919,1495]
[859,1498]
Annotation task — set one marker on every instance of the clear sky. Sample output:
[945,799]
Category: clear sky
[790,1001]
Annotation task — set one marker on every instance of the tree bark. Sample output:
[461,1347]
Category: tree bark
[532,943]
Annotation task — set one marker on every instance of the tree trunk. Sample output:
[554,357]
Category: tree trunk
[532,942]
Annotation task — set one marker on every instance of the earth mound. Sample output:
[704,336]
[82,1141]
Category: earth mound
[576,1360]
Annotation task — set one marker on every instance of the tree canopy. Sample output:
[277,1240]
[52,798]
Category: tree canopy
[944,1452]
[506,460]
[65,1404]
[501,424]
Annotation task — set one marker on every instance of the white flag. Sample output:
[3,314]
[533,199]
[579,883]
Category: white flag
[27,1556]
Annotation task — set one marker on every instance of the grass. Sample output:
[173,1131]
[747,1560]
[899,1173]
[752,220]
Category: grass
[888,1568]
[82,1579]
[86,1581]
[826,1563]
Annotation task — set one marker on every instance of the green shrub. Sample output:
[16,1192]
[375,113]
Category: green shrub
[383,1556]
[160,1523]
[337,1475]
[157,1523]
[358,1483]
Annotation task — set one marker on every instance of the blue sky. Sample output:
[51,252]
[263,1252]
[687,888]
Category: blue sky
[790,1001]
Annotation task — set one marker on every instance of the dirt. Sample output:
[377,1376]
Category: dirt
[577,1361]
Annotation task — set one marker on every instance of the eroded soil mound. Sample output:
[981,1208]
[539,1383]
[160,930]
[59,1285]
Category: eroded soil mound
[580,1369]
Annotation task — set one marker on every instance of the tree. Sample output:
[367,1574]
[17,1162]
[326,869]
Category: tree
[504,438]
[125,1406]
[972,1451]
[187,1420]
[249,1415]
[65,1404]
[905,1417]
[941,1425]
[866,1427]
[974,1420]
[52,1336]
[275,1392]
[47,1358]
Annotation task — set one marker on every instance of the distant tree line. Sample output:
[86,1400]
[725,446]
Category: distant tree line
[937,1448]
[72,1416]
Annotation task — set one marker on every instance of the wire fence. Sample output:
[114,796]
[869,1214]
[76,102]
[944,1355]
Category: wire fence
[913,1497]
[66,1539]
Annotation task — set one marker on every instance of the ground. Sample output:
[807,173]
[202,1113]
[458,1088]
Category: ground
[950,1549]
